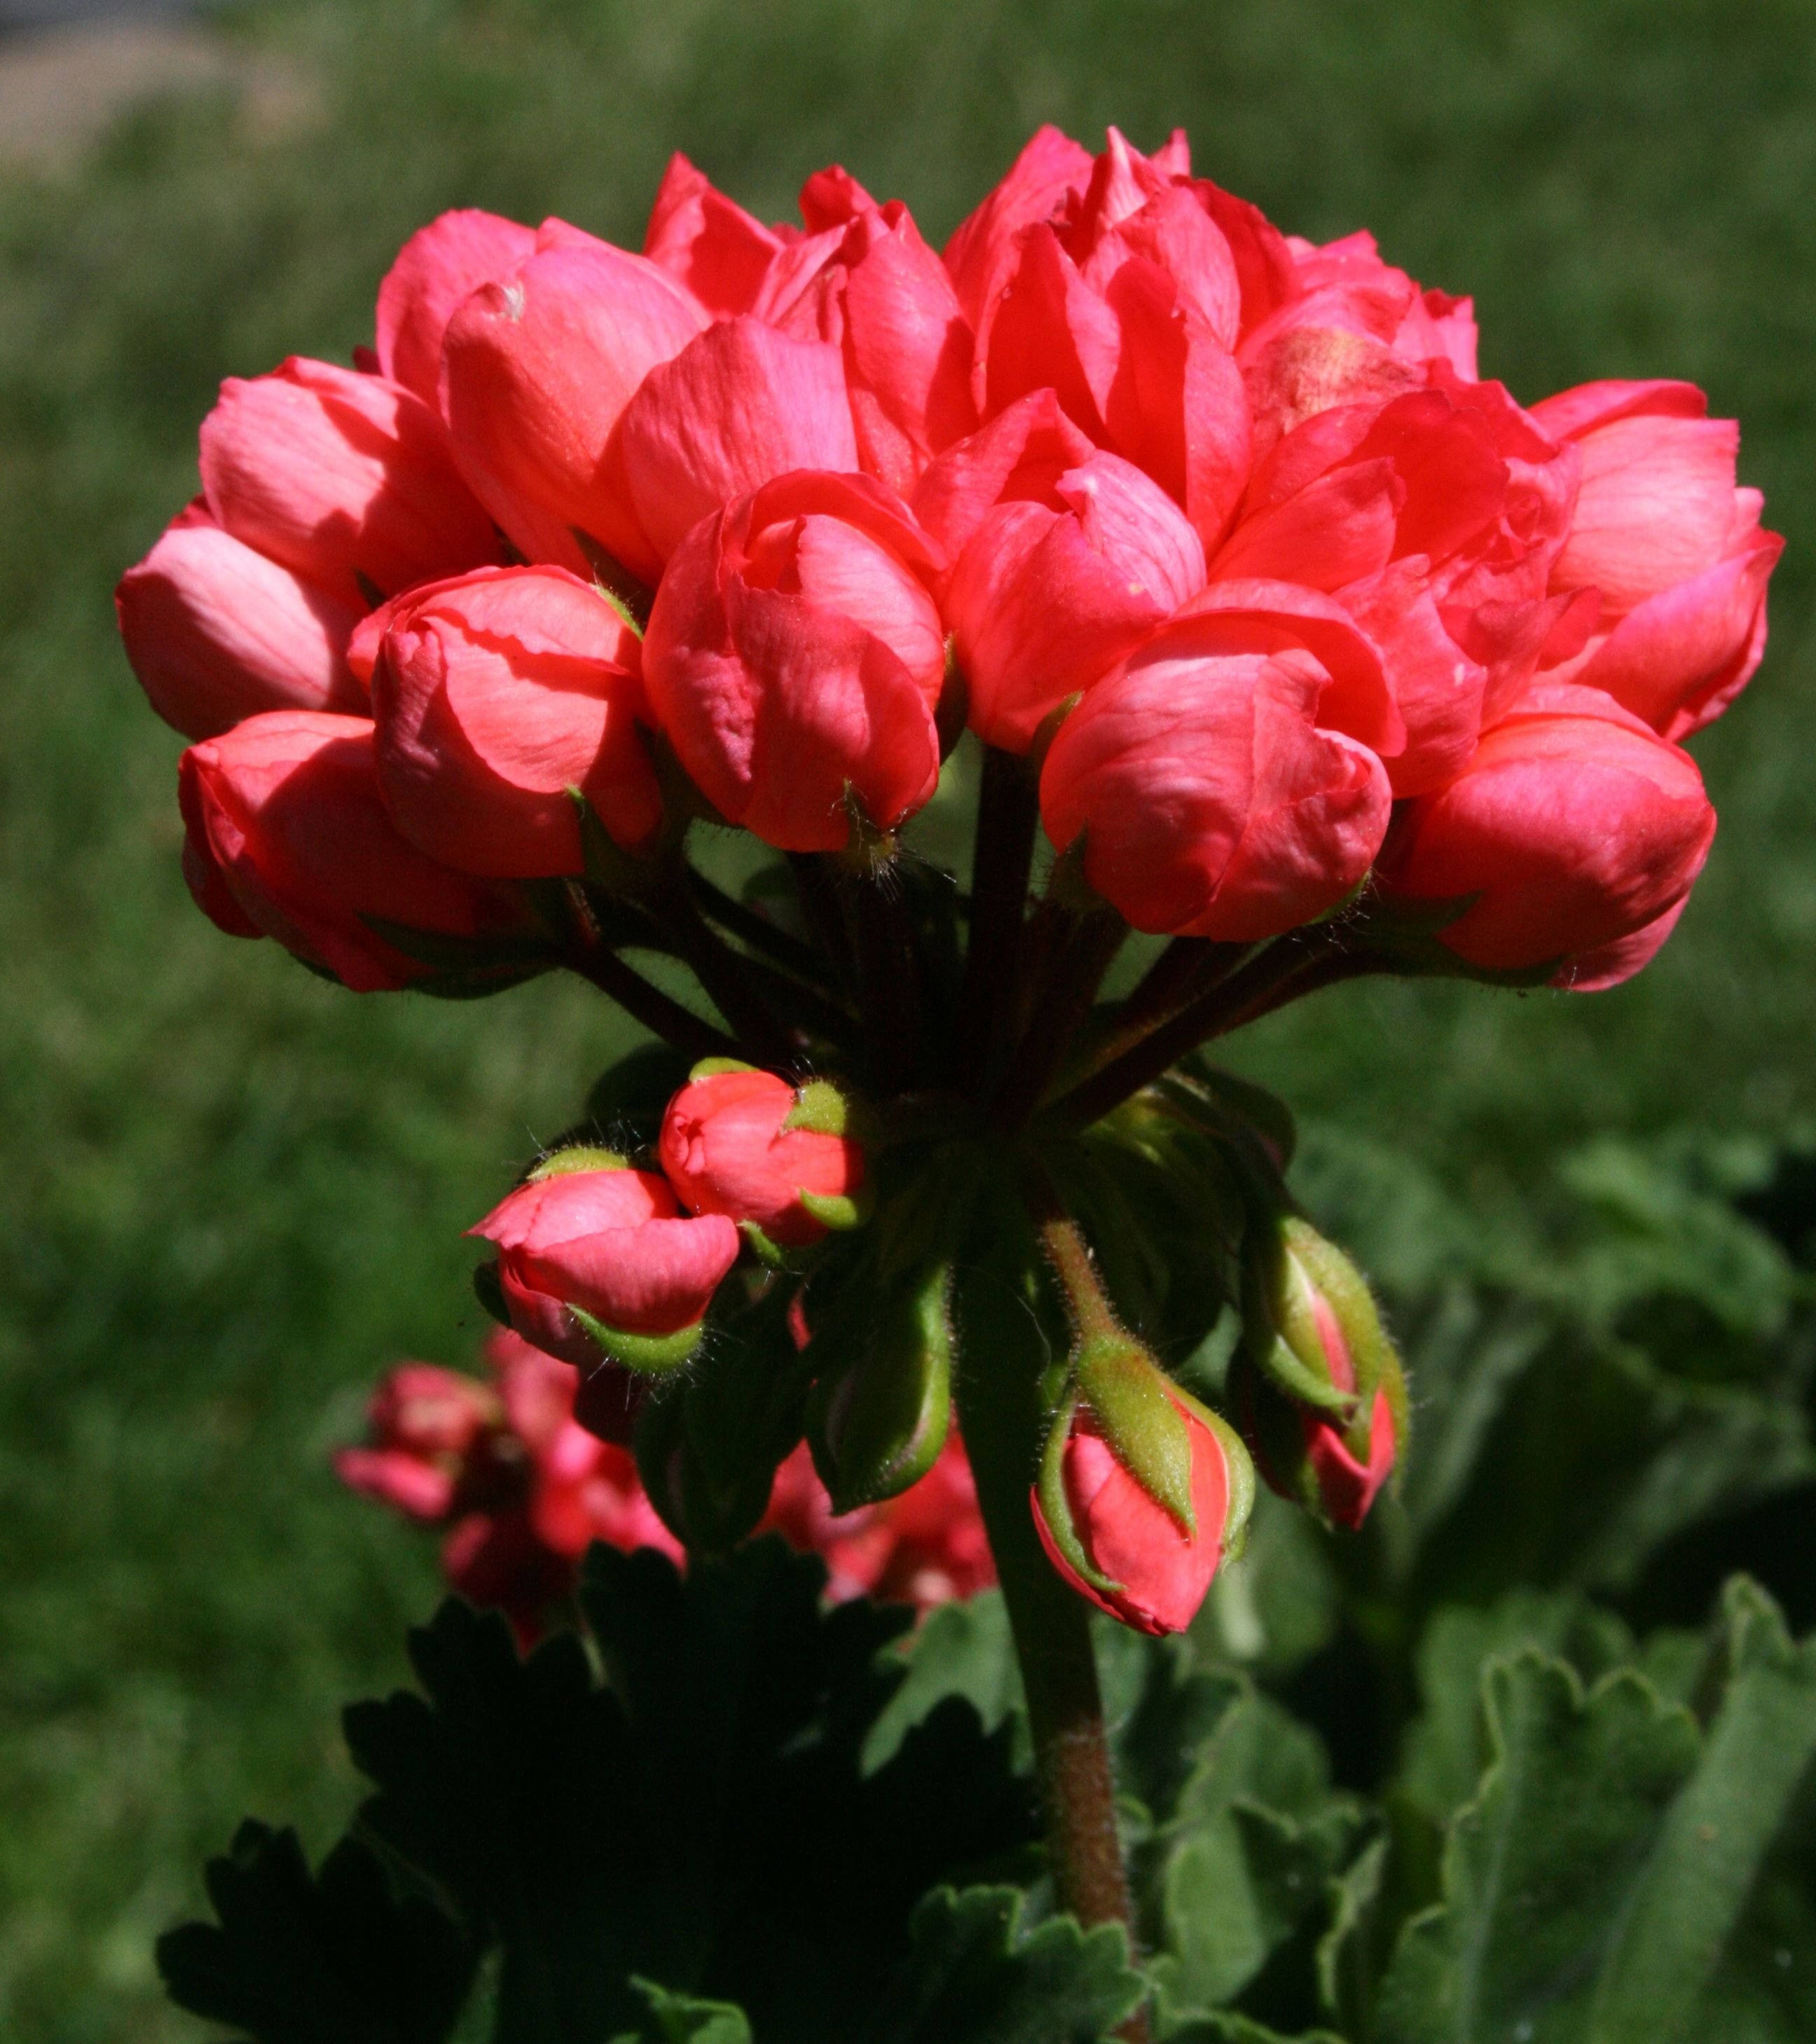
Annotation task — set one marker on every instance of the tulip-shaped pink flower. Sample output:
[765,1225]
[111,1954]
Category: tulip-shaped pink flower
[741,403]
[1435,518]
[613,1243]
[498,697]
[288,837]
[1128,307]
[884,298]
[1213,776]
[708,242]
[537,372]
[1574,827]
[1159,1570]
[1341,327]
[345,479]
[439,266]
[795,659]
[727,1148]
[1672,549]
[215,632]
[1064,558]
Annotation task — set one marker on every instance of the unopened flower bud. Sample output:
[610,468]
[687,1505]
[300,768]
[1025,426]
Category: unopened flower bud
[783,1163]
[1323,1396]
[597,1260]
[880,1425]
[1142,1489]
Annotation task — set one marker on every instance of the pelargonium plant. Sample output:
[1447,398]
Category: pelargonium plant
[1275,648]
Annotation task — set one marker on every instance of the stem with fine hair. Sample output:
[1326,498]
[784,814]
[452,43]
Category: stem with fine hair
[755,929]
[721,972]
[1002,1415]
[660,1013]
[1008,816]
[1266,982]
[1061,1002]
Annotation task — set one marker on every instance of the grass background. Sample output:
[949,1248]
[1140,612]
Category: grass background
[230,1195]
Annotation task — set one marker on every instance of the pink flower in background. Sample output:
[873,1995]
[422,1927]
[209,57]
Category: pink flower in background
[925,1547]
[524,1490]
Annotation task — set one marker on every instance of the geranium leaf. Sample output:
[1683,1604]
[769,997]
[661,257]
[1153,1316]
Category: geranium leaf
[975,1976]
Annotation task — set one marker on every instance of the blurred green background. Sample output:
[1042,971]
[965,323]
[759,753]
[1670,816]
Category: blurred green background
[230,1195]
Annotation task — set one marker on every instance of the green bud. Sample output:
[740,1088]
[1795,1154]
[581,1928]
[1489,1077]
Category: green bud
[1311,1323]
[879,1425]
[1135,1406]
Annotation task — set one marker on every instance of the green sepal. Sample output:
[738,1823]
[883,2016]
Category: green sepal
[767,1251]
[1371,1354]
[576,1157]
[824,1108]
[1239,1464]
[879,1425]
[490,1292]
[630,597]
[1056,1508]
[1280,1329]
[717,1068]
[839,1211]
[656,1356]
[1137,1411]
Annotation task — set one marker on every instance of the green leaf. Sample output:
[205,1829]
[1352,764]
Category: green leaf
[333,1958]
[963,1650]
[1234,1883]
[703,1821]
[1227,2027]
[1542,1868]
[976,1976]
[679,2019]
[1349,1955]
[1685,1908]
[1446,1748]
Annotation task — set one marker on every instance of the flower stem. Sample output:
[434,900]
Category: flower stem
[1300,963]
[1002,1415]
[659,1012]
[1008,815]
[720,971]
[1061,1004]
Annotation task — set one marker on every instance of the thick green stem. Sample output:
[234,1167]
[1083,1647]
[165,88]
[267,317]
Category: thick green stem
[1002,1415]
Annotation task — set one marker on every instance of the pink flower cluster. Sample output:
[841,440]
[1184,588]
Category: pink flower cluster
[524,1489]
[1224,528]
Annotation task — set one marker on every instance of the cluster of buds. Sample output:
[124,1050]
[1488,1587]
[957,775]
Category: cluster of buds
[1310,650]
[524,1489]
